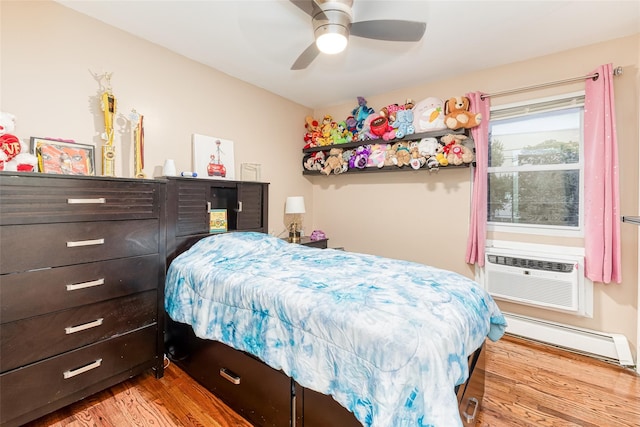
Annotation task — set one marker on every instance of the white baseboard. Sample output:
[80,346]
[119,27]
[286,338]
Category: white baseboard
[605,345]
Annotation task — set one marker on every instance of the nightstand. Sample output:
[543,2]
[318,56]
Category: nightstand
[320,244]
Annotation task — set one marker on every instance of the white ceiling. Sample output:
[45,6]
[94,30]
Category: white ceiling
[258,41]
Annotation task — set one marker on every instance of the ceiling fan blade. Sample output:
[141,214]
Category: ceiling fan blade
[389,29]
[307,6]
[306,57]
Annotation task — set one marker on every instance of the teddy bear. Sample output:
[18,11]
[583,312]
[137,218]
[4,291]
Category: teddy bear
[404,123]
[403,156]
[360,158]
[457,114]
[428,115]
[390,156]
[456,152]
[334,162]
[417,160]
[14,154]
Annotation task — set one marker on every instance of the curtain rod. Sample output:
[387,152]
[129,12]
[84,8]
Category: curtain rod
[616,72]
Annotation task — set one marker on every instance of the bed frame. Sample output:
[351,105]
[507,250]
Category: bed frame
[261,394]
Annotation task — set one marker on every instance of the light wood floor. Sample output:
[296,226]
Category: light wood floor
[528,384]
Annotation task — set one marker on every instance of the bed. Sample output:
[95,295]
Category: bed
[390,341]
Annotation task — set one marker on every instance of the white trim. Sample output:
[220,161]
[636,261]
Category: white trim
[606,345]
[535,247]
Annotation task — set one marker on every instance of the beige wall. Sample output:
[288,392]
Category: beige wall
[48,53]
[424,217]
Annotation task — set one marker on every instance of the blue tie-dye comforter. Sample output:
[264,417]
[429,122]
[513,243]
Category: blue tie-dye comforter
[388,339]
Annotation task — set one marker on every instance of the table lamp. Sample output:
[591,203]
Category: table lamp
[295,207]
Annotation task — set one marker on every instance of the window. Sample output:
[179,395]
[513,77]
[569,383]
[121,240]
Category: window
[535,165]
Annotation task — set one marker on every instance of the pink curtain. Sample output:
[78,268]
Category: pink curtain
[478,220]
[601,187]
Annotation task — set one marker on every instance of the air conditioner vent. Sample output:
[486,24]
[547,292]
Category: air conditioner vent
[534,264]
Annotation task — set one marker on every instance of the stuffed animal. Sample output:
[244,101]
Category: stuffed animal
[382,128]
[456,152]
[313,132]
[428,115]
[359,160]
[366,133]
[377,157]
[404,123]
[417,160]
[334,163]
[403,157]
[314,161]
[14,155]
[325,130]
[360,113]
[457,114]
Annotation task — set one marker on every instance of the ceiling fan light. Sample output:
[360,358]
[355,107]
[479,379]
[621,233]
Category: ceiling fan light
[331,39]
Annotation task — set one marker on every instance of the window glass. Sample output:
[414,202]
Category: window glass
[535,166]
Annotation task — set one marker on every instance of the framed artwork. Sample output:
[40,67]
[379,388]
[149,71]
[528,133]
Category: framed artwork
[65,158]
[250,171]
[213,157]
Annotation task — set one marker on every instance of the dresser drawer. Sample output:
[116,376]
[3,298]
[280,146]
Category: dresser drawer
[25,390]
[28,340]
[38,292]
[29,247]
[46,199]
[256,391]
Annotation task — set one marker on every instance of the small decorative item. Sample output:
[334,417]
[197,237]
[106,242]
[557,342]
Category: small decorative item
[317,235]
[295,207]
[213,157]
[217,220]
[138,143]
[169,168]
[250,171]
[14,154]
[109,104]
[63,157]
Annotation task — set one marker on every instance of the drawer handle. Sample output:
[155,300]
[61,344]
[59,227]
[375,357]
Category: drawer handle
[73,329]
[73,372]
[239,207]
[86,201]
[83,285]
[470,417]
[229,376]
[85,243]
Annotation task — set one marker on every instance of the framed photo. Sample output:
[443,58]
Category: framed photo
[65,158]
[213,157]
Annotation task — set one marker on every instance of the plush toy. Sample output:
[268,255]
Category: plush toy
[360,113]
[403,157]
[457,114]
[366,133]
[404,123]
[390,156]
[314,161]
[14,155]
[417,160]
[381,127]
[326,127]
[456,152]
[334,163]
[359,160]
[377,157]
[341,134]
[313,132]
[428,115]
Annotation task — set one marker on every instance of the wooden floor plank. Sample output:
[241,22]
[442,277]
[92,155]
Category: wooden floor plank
[527,385]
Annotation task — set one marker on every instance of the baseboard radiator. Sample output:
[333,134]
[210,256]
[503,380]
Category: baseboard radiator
[611,347]
[549,281]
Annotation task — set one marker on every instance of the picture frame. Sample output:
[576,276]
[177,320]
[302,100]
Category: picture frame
[213,157]
[63,157]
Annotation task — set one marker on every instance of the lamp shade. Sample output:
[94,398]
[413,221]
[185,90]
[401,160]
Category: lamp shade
[294,205]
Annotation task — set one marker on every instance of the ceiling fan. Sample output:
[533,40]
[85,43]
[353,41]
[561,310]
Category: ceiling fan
[333,23]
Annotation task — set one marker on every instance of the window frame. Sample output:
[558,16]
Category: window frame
[537,229]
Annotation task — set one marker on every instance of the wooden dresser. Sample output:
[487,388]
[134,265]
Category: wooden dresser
[82,267]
